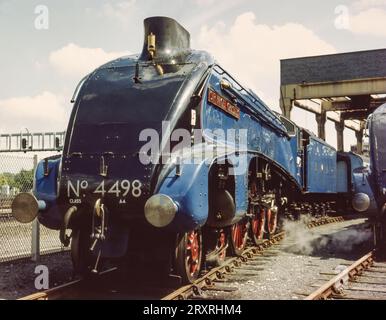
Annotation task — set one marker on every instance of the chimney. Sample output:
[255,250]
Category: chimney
[164,38]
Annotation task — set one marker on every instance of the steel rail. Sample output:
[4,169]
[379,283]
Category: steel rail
[206,282]
[335,285]
[192,290]
[62,291]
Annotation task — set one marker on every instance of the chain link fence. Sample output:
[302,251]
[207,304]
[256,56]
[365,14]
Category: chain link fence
[19,240]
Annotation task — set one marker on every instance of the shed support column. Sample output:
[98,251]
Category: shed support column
[359,136]
[286,107]
[321,121]
[339,126]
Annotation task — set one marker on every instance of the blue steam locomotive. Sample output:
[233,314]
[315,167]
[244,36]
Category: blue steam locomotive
[167,158]
[369,182]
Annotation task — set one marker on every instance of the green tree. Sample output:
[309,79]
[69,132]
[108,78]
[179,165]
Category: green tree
[7,178]
[24,180]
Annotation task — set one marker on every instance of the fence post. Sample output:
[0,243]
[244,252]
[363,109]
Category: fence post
[35,245]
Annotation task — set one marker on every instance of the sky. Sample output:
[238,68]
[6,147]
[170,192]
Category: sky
[47,47]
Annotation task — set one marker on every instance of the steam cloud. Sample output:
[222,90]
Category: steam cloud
[310,241]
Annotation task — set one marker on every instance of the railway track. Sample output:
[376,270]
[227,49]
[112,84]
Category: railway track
[365,279]
[72,289]
[213,280]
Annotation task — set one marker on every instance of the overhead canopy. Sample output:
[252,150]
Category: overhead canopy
[351,84]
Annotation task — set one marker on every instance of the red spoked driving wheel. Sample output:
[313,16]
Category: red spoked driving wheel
[272,221]
[239,237]
[221,244]
[189,256]
[193,252]
[258,223]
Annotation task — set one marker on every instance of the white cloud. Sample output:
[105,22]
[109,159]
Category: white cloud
[367,17]
[204,3]
[252,51]
[45,111]
[5,7]
[369,22]
[73,60]
[365,4]
[212,10]
[120,12]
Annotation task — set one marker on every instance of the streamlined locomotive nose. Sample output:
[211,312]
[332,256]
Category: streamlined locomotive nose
[121,180]
[378,150]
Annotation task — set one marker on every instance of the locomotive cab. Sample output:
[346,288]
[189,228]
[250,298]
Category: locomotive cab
[295,134]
